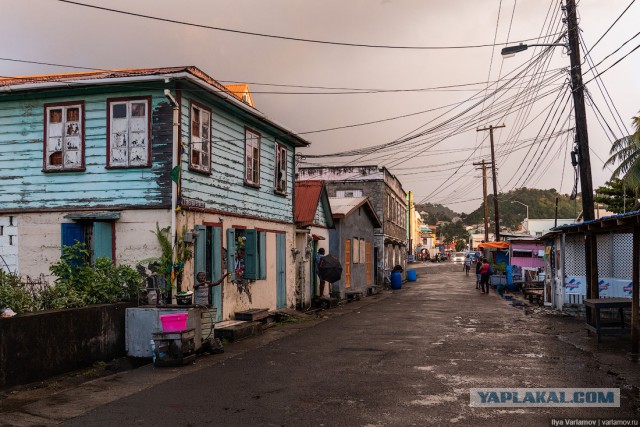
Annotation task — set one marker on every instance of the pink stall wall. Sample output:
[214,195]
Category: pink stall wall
[534,261]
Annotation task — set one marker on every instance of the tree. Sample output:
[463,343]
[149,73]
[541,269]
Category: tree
[613,194]
[626,152]
[452,232]
[460,245]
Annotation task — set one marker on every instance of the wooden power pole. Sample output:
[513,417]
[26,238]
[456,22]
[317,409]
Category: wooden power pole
[495,181]
[484,194]
[582,139]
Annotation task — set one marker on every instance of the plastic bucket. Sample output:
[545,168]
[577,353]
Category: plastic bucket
[174,322]
[396,280]
[411,275]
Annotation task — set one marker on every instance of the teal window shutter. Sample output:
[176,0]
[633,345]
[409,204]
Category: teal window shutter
[102,240]
[262,255]
[71,234]
[200,252]
[231,252]
[216,256]
[251,255]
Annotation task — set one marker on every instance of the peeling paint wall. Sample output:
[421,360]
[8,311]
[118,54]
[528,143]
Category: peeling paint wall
[259,293]
[26,186]
[9,243]
[224,188]
[41,238]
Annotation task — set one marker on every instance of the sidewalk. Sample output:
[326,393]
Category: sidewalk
[64,398]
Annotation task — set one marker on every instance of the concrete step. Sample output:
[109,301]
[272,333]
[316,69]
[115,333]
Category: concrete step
[353,295]
[252,315]
[372,290]
[234,330]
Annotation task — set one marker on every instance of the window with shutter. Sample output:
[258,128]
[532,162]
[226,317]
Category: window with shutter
[129,132]
[200,145]
[281,169]
[64,137]
[252,158]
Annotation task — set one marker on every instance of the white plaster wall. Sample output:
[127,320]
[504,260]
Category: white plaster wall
[40,238]
[263,292]
[9,244]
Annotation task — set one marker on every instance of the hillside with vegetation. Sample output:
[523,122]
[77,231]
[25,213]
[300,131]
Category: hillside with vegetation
[541,205]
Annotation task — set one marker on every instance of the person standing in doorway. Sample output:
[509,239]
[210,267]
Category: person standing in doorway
[319,257]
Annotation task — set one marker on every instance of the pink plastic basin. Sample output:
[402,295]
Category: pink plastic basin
[174,322]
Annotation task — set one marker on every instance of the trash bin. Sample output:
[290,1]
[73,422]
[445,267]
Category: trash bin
[411,275]
[396,280]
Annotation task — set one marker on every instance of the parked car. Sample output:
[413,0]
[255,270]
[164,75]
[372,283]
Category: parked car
[458,257]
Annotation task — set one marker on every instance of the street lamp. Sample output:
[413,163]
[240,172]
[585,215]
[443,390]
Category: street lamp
[512,50]
[526,206]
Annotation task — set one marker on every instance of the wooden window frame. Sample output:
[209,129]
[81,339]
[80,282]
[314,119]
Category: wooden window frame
[282,154]
[45,155]
[206,169]
[255,164]
[128,101]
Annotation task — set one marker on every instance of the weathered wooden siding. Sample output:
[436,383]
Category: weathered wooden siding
[26,186]
[224,189]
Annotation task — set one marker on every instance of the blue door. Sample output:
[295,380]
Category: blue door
[281,277]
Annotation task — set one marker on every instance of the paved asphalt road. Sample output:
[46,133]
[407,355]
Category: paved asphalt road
[407,357]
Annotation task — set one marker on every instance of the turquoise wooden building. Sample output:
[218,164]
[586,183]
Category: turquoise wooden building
[102,157]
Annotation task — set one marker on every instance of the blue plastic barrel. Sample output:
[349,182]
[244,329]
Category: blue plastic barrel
[396,280]
[411,275]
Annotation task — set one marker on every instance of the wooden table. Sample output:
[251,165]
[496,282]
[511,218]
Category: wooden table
[597,325]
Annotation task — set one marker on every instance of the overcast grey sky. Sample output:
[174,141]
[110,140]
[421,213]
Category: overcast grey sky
[438,168]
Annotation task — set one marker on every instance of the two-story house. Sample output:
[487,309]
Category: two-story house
[388,199]
[101,157]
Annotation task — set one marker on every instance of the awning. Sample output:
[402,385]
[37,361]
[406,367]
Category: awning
[494,245]
[94,216]
[316,237]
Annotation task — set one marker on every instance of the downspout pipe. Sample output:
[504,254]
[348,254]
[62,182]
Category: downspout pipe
[174,163]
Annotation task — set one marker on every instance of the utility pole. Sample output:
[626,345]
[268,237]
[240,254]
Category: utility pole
[484,194]
[582,140]
[495,181]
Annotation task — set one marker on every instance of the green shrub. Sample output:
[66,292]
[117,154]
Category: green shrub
[13,293]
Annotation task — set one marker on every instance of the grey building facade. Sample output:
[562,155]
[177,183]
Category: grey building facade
[388,199]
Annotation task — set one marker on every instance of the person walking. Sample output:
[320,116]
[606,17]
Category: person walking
[485,273]
[478,275]
[467,264]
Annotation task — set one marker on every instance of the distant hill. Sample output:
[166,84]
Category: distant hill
[436,212]
[541,205]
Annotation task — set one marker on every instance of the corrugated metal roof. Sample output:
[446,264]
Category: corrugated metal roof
[306,197]
[343,206]
[18,83]
[593,221]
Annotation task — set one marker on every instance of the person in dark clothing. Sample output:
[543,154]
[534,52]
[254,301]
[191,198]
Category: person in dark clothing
[478,275]
[319,257]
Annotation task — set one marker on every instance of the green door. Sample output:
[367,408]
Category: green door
[281,278]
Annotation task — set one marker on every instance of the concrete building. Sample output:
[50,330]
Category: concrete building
[388,199]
